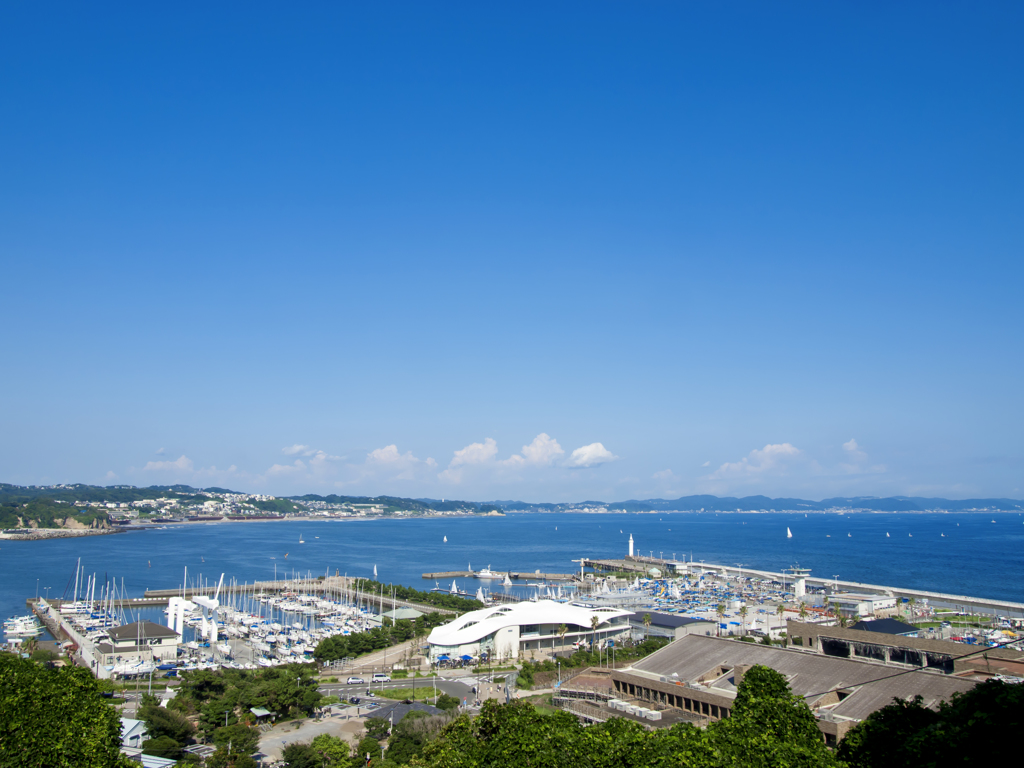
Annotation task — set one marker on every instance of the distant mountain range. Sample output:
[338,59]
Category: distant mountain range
[14,496]
[766,503]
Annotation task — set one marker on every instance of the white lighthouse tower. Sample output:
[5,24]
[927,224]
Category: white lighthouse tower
[631,545]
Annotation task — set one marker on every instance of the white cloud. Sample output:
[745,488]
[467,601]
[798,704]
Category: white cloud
[184,470]
[665,474]
[857,461]
[770,459]
[161,451]
[182,464]
[591,455]
[111,475]
[287,470]
[298,450]
[387,464]
[706,464]
[474,454]
[541,452]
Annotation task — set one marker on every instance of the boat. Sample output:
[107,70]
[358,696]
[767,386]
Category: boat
[445,539]
[300,539]
[507,582]
[887,534]
[789,533]
[487,573]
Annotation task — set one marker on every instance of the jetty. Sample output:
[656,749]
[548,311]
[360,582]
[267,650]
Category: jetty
[514,575]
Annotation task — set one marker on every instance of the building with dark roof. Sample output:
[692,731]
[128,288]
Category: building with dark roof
[888,627]
[139,643]
[904,650]
[700,675]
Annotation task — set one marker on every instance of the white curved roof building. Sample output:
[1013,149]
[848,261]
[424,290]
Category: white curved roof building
[506,631]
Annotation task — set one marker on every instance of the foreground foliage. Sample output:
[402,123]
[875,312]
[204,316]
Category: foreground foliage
[975,727]
[55,718]
[769,727]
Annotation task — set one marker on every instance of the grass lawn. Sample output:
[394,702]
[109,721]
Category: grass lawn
[422,693]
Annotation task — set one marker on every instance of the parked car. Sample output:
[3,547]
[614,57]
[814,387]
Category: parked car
[355,681]
[381,678]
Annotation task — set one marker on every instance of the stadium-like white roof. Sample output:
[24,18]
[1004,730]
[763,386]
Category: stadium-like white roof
[476,625]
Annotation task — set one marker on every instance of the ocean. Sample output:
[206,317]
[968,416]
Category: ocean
[980,555]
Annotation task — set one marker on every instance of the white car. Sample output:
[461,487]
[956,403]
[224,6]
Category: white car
[355,681]
[381,678]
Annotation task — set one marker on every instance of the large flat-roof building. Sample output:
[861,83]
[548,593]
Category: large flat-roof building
[510,631]
[699,675]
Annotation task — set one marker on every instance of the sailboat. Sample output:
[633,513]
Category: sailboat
[789,533]
[887,534]
[507,582]
[300,539]
[445,539]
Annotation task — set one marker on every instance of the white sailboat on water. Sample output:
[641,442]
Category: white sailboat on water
[445,539]
[789,533]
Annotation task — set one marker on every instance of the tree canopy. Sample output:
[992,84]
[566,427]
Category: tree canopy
[55,718]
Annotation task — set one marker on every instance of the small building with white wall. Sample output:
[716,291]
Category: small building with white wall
[849,605]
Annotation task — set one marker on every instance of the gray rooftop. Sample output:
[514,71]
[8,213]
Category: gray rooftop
[144,630]
[809,674]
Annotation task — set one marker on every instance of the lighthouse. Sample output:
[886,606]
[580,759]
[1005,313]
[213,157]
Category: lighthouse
[631,545]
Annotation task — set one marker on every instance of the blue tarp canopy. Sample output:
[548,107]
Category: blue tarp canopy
[443,657]
[467,658]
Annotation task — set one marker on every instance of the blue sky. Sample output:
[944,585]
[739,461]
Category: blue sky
[536,251]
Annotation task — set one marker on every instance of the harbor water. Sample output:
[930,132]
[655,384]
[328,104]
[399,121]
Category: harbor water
[973,554]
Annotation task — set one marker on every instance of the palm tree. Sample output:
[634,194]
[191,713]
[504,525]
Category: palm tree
[743,618]
[647,625]
[803,611]
[720,610]
[594,621]
[562,629]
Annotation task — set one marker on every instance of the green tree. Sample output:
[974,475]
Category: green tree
[720,610]
[743,618]
[367,746]
[769,726]
[301,755]
[446,702]
[647,625]
[164,722]
[377,728]
[333,752]
[562,630]
[55,718]
[594,622]
[162,746]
